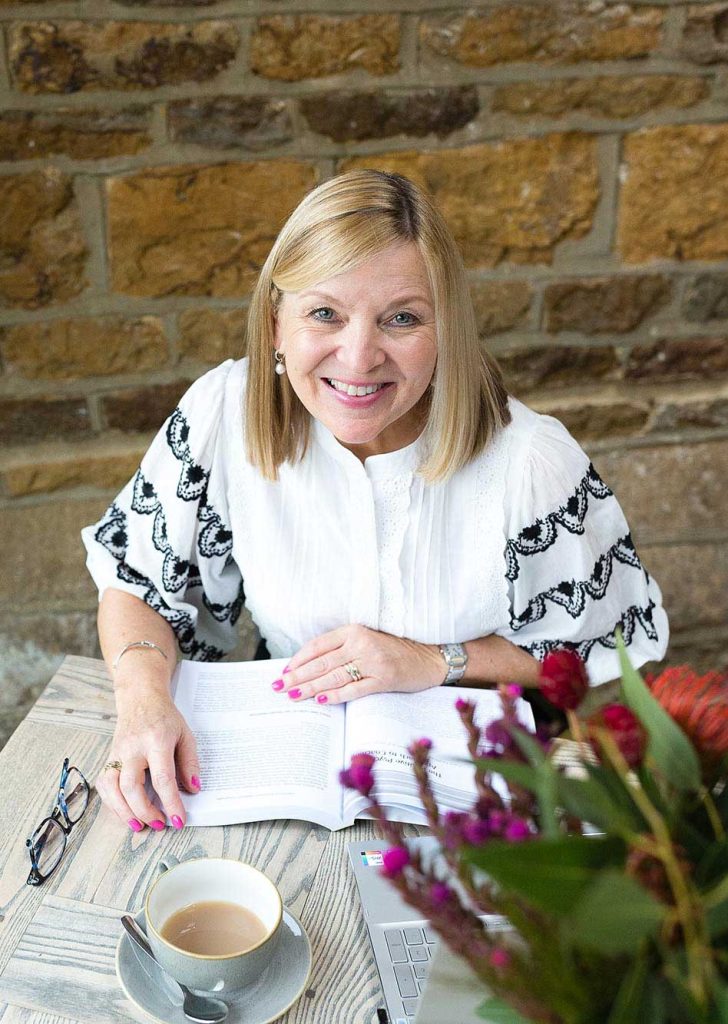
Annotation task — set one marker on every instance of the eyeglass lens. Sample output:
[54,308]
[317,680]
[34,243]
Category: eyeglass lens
[48,841]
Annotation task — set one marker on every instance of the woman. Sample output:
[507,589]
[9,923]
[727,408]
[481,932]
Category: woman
[398,522]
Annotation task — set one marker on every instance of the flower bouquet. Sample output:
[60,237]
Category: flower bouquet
[609,865]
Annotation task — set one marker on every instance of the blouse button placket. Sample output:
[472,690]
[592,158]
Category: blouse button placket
[364,601]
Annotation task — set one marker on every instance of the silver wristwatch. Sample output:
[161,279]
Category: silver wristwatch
[456,659]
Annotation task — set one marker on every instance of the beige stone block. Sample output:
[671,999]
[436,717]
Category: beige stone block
[604,96]
[599,305]
[42,248]
[670,491]
[694,582]
[212,335]
[25,420]
[84,347]
[43,558]
[564,32]
[142,410]
[71,56]
[674,194]
[499,199]
[704,33]
[79,134]
[198,230]
[500,305]
[598,420]
[691,414]
[549,366]
[105,471]
[294,47]
[679,359]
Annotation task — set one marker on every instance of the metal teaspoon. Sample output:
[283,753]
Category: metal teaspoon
[202,1009]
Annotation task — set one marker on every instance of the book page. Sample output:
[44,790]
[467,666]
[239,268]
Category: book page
[385,724]
[261,754]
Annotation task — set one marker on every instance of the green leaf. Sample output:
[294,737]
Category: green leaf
[552,874]
[721,1002]
[615,915]
[513,771]
[718,920]
[495,1011]
[669,748]
[633,996]
[545,790]
[589,801]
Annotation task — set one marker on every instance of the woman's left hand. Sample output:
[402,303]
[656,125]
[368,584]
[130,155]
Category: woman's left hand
[383,662]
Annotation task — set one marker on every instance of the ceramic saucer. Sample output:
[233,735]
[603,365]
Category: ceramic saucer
[268,999]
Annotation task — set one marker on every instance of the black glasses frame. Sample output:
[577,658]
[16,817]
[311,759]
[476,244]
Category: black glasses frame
[58,818]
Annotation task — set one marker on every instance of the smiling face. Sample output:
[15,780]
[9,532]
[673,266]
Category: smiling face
[360,350]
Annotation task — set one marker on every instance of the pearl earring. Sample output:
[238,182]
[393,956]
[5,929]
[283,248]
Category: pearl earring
[280,362]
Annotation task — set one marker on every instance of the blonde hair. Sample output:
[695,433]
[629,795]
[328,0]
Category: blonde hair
[336,227]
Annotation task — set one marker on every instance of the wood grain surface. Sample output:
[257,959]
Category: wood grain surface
[58,940]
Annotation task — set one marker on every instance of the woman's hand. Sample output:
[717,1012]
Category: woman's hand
[384,662]
[150,733]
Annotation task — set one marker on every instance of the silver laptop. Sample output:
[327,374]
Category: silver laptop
[402,941]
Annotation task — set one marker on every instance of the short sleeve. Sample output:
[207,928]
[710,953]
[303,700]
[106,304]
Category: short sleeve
[573,573]
[167,537]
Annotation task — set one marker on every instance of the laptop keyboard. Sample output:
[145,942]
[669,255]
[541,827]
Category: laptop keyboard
[410,950]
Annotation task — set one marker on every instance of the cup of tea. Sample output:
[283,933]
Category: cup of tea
[213,923]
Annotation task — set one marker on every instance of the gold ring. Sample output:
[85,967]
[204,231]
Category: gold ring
[354,673]
[116,765]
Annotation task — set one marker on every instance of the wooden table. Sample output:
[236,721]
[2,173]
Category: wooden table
[58,940]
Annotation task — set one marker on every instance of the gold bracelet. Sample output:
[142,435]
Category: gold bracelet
[137,643]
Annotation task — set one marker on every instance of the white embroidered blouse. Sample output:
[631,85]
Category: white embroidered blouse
[526,541]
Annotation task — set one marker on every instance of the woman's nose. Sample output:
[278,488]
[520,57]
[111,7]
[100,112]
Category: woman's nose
[361,347]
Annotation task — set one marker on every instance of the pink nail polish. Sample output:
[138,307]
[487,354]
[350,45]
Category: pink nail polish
[278,684]
[134,825]
[195,782]
[286,669]
[176,821]
[157,825]
[322,698]
[294,694]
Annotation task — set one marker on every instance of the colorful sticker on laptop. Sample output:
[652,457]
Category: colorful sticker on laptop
[372,858]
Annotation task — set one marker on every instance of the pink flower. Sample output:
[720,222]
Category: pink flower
[516,831]
[500,958]
[359,775]
[626,730]
[563,681]
[366,760]
[421,746]
[395,860]
[475,832]
[440,893]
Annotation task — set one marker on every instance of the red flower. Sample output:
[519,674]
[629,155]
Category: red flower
[563,681]
[699,705]
[626,730]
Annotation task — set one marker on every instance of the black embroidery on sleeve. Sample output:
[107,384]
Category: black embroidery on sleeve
[541,534]
[572,594]
[193,477]
[634,616]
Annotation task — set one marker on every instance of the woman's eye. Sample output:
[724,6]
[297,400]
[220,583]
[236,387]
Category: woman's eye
[403,319]
[323,313]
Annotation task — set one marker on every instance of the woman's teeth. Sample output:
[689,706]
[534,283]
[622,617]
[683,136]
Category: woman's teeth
[353,390]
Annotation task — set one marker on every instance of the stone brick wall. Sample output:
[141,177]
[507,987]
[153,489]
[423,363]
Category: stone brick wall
[149,152]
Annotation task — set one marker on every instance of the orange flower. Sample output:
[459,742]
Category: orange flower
[699,705]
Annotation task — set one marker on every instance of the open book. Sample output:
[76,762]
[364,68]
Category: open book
[264,756]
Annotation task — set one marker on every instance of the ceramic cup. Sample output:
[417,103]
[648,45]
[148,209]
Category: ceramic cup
[180,883]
